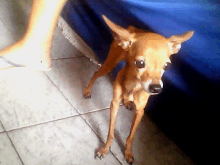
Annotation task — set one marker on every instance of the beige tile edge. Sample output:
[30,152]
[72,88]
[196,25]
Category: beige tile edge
[77,41]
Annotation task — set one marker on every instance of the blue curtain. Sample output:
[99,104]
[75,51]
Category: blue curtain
[188,108]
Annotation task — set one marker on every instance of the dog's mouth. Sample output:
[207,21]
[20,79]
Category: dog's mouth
[152,88]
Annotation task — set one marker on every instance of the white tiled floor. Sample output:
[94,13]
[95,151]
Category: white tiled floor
[29,98]
[68,141]
[46,120]
[72,75]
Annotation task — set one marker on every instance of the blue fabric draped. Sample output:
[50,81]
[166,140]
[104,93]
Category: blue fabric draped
[188,109]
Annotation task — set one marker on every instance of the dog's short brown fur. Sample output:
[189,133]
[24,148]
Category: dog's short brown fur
[147,55]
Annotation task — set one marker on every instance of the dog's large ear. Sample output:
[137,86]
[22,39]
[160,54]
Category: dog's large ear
[175,41]
[122,36]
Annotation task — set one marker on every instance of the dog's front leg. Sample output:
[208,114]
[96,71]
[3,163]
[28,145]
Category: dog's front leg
[138,114]
[114,111]
[117,97]
[128,101]
[140,101]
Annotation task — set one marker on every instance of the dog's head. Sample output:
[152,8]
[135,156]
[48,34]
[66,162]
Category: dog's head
[148,54]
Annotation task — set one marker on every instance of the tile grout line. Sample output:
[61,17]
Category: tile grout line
[61,92]
[53,120]
[82,117]
[42,123]
[2,127]
[102,109]
[12,143]
[68,58]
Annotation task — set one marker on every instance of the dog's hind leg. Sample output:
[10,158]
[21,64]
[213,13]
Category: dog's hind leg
[114,57]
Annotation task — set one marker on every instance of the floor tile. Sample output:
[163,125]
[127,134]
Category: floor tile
[28,98]
[63,142]
[61,47]
[6,40]
[6,37]
[8,155]
[71,76]
[150,146]
[14,16]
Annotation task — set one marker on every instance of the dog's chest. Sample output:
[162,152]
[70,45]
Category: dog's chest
[130,81]
[132,86]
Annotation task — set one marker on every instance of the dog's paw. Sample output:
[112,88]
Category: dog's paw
[129,158]
[130,105]
[87,95]
[101,152]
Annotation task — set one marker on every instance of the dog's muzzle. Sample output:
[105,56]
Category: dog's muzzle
[153,88]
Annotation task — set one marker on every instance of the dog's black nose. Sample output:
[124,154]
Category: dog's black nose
[155,88]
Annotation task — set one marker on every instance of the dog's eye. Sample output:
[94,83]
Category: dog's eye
[167,66]
[139,64]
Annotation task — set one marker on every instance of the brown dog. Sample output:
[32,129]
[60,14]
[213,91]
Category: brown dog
[147,56]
